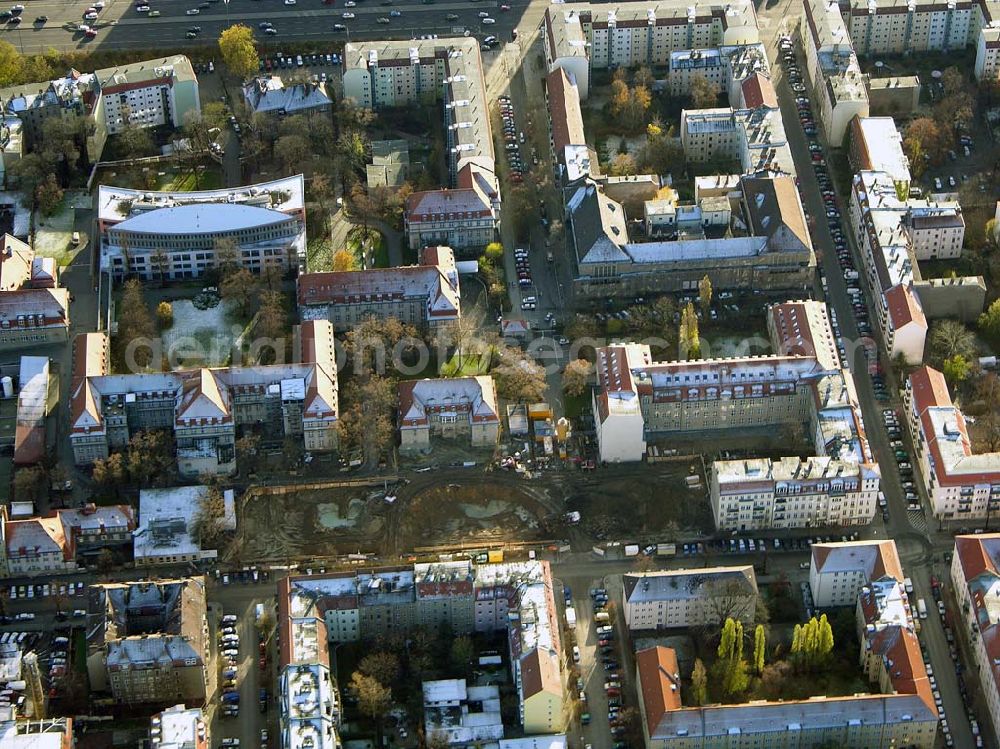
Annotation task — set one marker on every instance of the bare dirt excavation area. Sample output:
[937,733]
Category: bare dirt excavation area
[467,507]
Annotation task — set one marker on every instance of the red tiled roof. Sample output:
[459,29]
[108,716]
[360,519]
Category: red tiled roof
[929,389]
[973,557]
[759,92]
[659,683]
[564,111]
[903,307]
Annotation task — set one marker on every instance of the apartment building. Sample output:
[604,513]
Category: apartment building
[517,598]
[206,407]
[568,140]
[150,93]
[752,137]
[876,145]
[802,382]
[877,221]
[960,484]
[175,235]
[603,36]
[839,570]
[832,70]
[894,718]
[466,218]
[166,531]
[664,218]
[426,294]
[901,713]
[896,27]
[309,706]
[269,95]
[688,64]
[62,540]
[37,398]
[450,408]
[396,73]
[461,715]
[179,727]
[34,310]
[975,578]
[689,598]
[71,97]
[776,254]
[148,641]
[759,494]
[44,733]
[987,65]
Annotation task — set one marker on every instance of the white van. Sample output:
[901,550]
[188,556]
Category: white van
[76,238]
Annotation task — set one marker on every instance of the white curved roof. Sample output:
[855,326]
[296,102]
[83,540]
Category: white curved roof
[201,219]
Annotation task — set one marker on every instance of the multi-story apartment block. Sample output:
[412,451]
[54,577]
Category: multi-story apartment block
[167,533]
[148,94]
[975,577]
[517,598]
[689,598]
[777,255]
[839,570]
[753,137]
[36,400]
[465,218]
[458,714]
[601,36]
[569,142]
[75,95]
[148,642]
[688,64]
[179,727]
[424,294]
[206,407]
[268,95]
[309,705]
[34,310]
[665,218]
[757,494]
[397,73]
[832,70]
[987,65]
[877,216]
[876,145]
[44,733]
[897,27]
[960,484]
[60,540]
[902,713]
[448,408]
[166,236]
[802,382]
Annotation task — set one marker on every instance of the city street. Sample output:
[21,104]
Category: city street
[903,526]
[121,27]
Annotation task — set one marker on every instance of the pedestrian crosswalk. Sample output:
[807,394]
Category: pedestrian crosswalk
[918,521]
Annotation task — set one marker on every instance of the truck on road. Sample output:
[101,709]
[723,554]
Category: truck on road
[922,608]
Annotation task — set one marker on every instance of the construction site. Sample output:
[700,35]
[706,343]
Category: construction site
[459,507]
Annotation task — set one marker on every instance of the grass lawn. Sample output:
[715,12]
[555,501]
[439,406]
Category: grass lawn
[209,179]
[466,366]
[574,405]
[375,242]
[319,255]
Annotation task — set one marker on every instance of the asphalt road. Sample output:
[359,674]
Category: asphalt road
[899,527]
[119,26]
